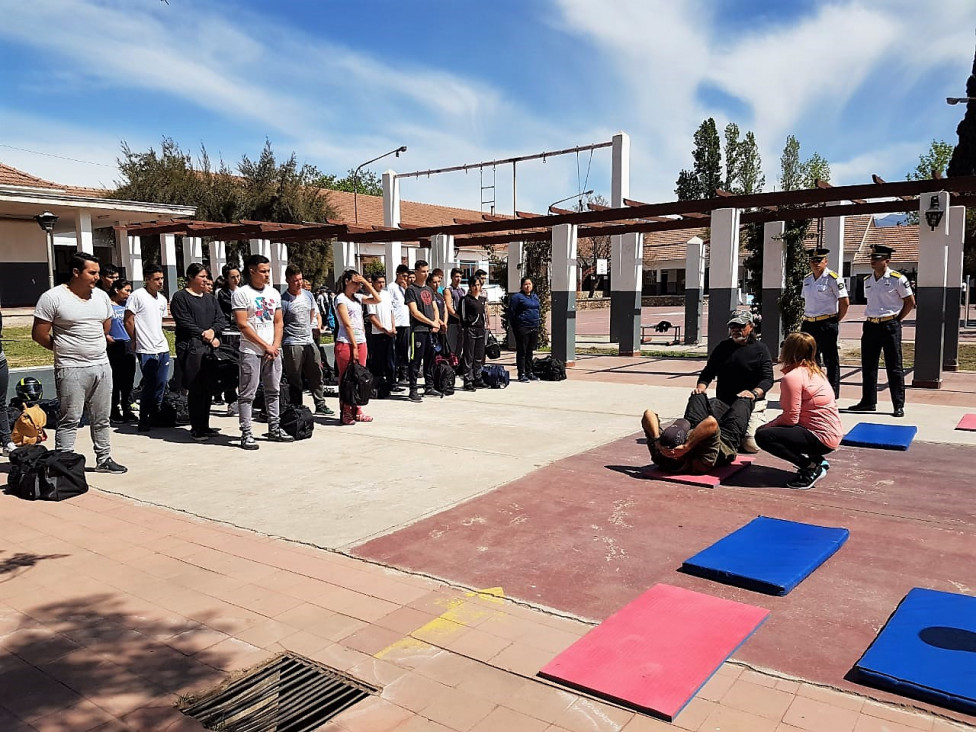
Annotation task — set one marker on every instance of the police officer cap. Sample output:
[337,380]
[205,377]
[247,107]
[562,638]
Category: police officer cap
[817,253]
[879,251]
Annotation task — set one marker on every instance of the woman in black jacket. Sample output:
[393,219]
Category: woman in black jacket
[199,322]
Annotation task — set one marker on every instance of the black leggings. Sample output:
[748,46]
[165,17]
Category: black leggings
[123,365]
[525,343]
[792,443]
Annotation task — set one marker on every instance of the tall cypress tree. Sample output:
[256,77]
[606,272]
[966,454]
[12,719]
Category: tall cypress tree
[963,160]
[705,177]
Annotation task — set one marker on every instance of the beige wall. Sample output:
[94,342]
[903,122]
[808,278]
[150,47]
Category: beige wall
[21,241]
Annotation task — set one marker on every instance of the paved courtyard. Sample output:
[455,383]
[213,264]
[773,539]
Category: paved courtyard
[446,551]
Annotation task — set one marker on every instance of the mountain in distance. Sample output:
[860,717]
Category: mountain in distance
[895,219]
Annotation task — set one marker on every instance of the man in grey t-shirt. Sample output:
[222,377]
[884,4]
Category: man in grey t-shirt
[299,352]
[72,320]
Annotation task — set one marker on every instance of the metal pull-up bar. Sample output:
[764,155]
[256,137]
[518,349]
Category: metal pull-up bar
[506,161]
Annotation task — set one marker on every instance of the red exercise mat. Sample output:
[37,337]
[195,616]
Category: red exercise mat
[711,479]
[968,423]
[655,653]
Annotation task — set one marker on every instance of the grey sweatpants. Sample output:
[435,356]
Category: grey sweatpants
[79,389]
[257,369]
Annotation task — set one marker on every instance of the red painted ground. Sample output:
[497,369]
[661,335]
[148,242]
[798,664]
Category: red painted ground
[587,535]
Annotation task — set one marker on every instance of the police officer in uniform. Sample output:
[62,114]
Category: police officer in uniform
[825,295]
[890,300]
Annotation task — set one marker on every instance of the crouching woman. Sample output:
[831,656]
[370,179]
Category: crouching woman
[810,425]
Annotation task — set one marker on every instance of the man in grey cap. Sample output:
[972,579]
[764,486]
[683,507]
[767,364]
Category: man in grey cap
[716,426]
[890,301]
[825,305]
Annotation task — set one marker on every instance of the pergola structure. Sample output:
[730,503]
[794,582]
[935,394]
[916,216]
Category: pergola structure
[939,276]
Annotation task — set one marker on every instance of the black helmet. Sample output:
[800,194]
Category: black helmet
[29,389]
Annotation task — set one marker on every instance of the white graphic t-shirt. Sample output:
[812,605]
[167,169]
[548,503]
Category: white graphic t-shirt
[261,306]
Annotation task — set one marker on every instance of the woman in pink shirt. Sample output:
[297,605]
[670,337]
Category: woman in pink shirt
[809,426]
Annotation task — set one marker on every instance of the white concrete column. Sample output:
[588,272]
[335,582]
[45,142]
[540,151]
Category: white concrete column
[167,255]
[694,289]
[279,262]
[83,233]
[343,256]
[391,217]
[834,241]
[218,257]
[441,250]
[953,298]
[563,313]
[774,282]
[933,260]
[627,291]
[515,249]
[393,254]
[130,251]
[192,251]
[619,190]
[723,273]
[412,257]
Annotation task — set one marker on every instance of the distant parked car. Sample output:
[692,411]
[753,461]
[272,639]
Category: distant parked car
[495,293]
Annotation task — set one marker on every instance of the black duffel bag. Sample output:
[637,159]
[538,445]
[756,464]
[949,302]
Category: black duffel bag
[549,368]
[173,412]
[39,474]
[297,421]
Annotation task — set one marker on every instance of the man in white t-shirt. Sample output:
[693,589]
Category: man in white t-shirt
[144,313]
[257,310]
[401,321]
[72,320]
[382,339]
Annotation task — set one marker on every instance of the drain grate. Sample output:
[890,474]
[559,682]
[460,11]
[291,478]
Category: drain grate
[290,694]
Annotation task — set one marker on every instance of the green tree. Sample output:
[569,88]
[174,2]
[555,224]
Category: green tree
[706,174]
[933,162]
[370,184]
[750,178]
[733,150]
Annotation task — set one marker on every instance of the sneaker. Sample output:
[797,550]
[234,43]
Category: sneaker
[533,377]
[469,387]
[524,379]
[806,478]
[9,448]
[116,418]
[824,464]
[276,434]
[324,411]
[749,445]
[129,417]
[108,465]
[248,442]
[431,391]
[200,435]
[862,407]
[414,396]
[397,389]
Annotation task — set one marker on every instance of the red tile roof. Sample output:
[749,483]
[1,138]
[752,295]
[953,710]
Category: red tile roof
[13,177]
[903,239]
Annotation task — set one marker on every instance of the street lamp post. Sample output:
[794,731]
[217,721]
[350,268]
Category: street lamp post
[960,100]
[355,177]
[46,221]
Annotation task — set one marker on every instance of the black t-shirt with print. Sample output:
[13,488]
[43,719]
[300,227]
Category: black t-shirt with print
[424,297]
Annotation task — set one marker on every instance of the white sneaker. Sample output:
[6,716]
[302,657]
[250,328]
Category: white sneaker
[8,448]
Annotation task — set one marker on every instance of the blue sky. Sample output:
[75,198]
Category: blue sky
[862,82]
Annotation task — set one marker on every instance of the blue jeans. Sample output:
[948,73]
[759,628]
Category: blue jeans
[155,370]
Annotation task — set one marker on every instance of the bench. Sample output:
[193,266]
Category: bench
[663,327]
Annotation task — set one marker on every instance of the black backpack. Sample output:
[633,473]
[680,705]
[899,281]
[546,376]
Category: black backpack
[444,376]
[549,368]
[297,421]
[37,473]
[356,385]
[173,412]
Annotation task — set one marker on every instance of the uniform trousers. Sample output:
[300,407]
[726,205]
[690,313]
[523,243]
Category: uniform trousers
[875,338]
[825,333]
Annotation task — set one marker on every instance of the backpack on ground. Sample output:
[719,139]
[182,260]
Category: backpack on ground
[495,376]
[174,411]
[37,473]
[28,428]
[444,376]
[356,385]
[297,421]
[549,368]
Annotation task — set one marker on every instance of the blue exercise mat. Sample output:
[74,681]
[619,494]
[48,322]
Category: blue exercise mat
[927,650]
[880,436]
[767,555]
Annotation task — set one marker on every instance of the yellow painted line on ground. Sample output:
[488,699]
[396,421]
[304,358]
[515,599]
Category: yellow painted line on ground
[461,613]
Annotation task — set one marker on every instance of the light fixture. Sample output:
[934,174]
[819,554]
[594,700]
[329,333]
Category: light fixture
[933,217]
[355,178]
[960,100]
[46,221]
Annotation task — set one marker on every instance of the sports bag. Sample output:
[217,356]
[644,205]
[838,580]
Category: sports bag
[356,385]
[37,473]
[492,348]
[444,376]
[297,421]
[549,368]
[28,428]
[495,376]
